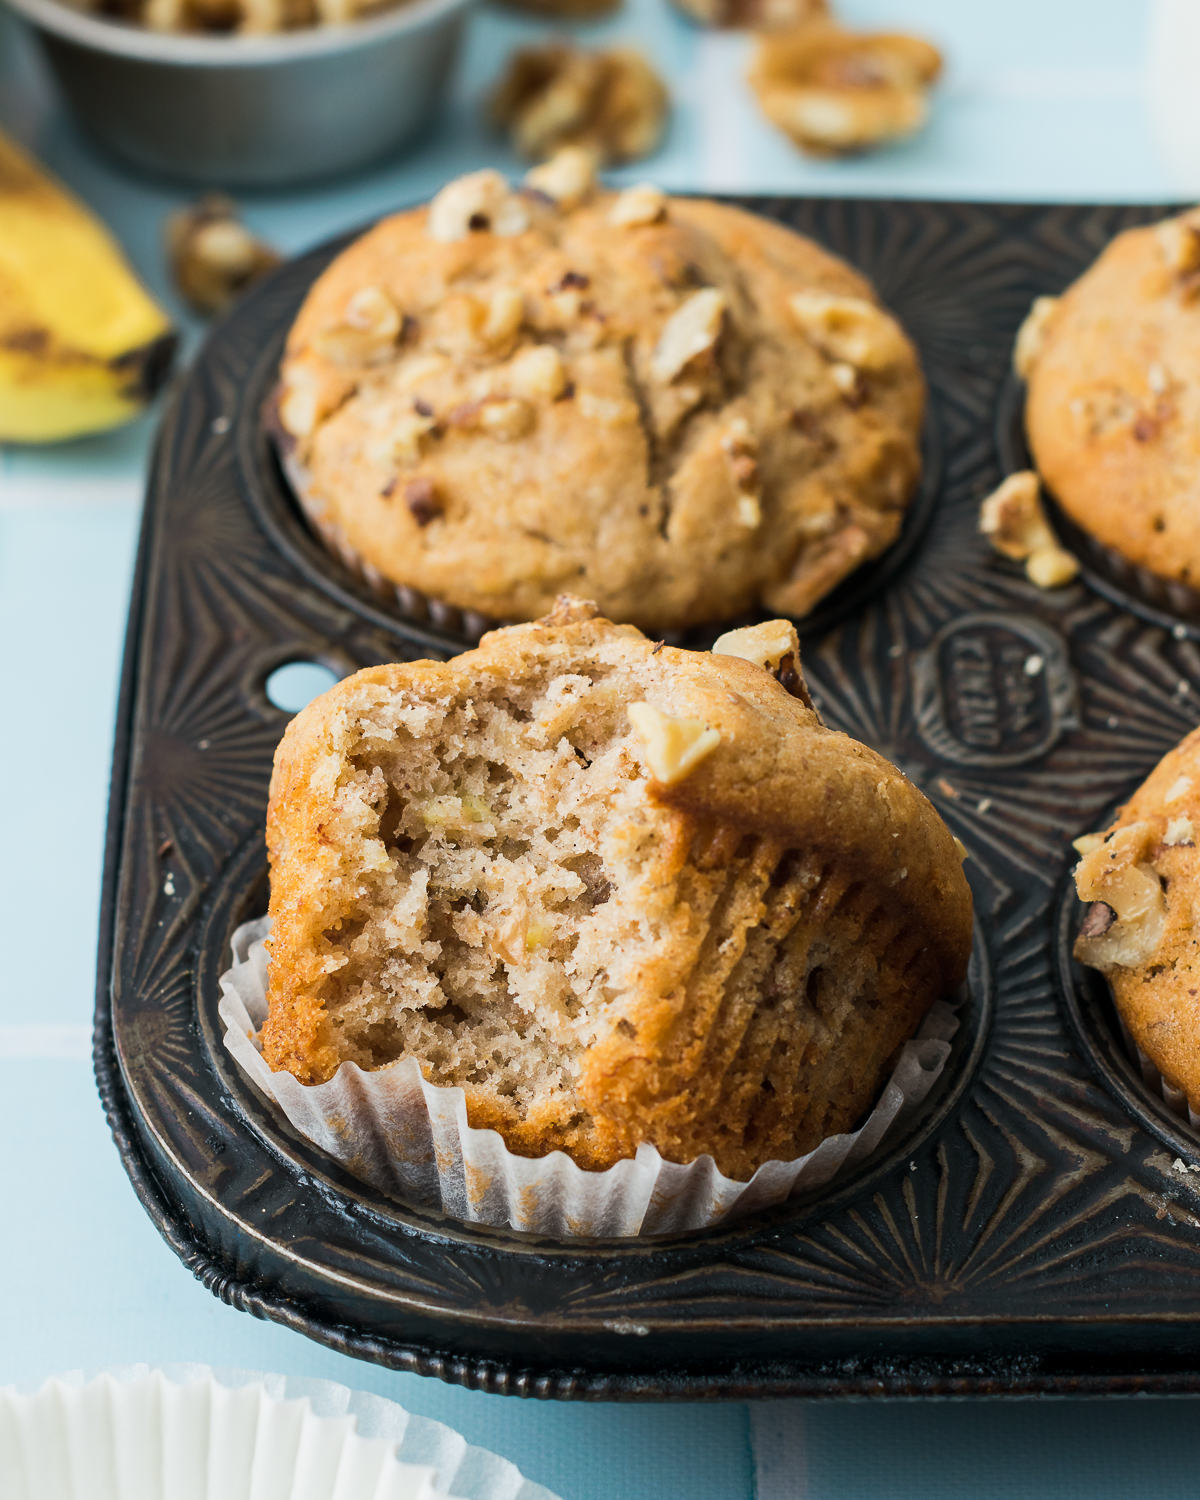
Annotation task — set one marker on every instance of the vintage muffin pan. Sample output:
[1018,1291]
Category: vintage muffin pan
[1030,1233]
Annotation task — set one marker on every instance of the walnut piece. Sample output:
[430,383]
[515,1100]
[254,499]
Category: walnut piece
[1014,522]
[370,326]
[773,645]
[673,747]
[538,372]
[479,201]
[612,411]
[1051,567]
[506,419]
[1117,871]
[310,389]
[740,445]
[820,567]
[1031,336]
[1179,239]
[404,440]
[691,330]
[570,609]
[611,103]
[836,92]
[567,179]
[643,204]
[505,314]
[298,401]
[850,330]
[1180,833]
[213,256]
[766,644]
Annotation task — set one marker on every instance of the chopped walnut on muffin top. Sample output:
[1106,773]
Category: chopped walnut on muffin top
[680,408]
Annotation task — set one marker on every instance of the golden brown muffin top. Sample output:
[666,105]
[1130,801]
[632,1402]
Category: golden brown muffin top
[1113,409]
[671,406]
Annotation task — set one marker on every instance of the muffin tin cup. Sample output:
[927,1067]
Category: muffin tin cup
[411,1139]
[467,626]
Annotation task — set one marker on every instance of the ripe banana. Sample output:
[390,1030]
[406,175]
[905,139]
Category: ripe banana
[82,345]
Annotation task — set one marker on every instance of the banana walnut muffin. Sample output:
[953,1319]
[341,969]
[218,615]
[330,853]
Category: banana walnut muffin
[617,892]
[1141,879]
[1113,404]
[677,408]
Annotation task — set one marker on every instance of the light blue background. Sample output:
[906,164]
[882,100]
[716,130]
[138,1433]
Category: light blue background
[1041,100]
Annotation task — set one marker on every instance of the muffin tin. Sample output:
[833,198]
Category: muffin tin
[1030,1234]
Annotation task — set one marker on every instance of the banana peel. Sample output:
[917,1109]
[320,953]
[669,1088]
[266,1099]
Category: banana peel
[83,346]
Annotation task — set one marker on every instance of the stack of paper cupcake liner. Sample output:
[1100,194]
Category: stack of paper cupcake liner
[411,1139]
[191,1433]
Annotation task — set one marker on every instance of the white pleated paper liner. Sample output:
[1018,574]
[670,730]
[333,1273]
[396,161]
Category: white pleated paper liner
[410,1138]
[185,1432]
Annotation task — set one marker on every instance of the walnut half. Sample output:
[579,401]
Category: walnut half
[611,103]
[1179,239]
[836,92]
[1013,520]
[1117,873]
[691,330]
[773,645]
[850,330]
[1031,336]
[214,257]
[479,201]
[673,747]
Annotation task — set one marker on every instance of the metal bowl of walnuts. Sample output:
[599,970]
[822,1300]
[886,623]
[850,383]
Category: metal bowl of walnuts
[251,105]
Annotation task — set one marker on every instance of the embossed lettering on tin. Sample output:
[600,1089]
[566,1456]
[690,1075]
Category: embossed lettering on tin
[994,690]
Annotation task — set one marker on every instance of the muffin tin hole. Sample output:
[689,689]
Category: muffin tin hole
[1160,601]
[1107,1046]
[295,684]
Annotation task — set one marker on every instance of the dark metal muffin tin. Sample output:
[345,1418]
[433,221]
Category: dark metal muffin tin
[1028,1234]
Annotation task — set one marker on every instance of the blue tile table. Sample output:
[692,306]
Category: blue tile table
[1040,101]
